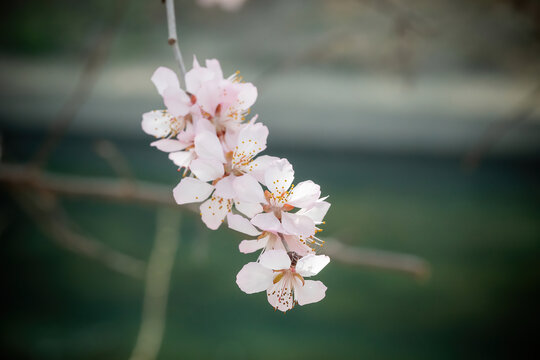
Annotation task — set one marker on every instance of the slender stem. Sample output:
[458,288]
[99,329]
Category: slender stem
[173,38]
[284,243]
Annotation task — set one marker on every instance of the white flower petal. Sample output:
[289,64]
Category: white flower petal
[304,194]
[196,77]
[247,208]
[207,146]
[317,212]
[300,225]
[259,165]
[294,243]
[169,145]
[280,295]
[224,187]
[246,96]
[214,66]
[311,292]
[275,260]
[279,177]
[157,123]
[164,78]
[208,97]
[267,222]
[241,224]
[201,124]
[248,189]
[177,101]
[214,210]
[191,190]
[254,278]
[311,265]
[207,169]
[251,141]
[182,158]
[249,246]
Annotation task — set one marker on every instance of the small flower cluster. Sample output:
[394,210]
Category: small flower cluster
[205,132]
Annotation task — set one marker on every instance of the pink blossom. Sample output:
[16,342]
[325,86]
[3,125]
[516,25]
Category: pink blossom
[282,275]
[224,101]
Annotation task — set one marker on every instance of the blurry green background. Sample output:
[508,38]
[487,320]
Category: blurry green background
[377,101]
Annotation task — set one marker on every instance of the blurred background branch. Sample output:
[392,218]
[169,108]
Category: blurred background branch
[88,77]
[46,212]
[157,284]
[110,189]
[497,130]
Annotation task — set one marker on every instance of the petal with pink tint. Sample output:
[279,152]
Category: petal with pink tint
[214,66]
[177,101]
[300,225]
[267,222]
[208,97]
[311,265]
[247,96]
[279,177]
[206,169]
[248,208]
[279,297]
[169,145]
[196,77]
[202,124]
[157,123]
[214,210]
[207,146]
[317,212]
[164,78]
[304,194]
[191,190]
[259,165]
[251,141]
[224,187]
[275,260]
[254,278]
[182,158]
[294,243]
[241,224]
[248,189]
[311,292]
[249,246]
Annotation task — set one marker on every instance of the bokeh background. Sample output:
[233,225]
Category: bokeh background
[419,118]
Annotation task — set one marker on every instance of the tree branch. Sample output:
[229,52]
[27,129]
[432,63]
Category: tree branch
[497,130]
[160,195]
[378,259]
[156,290]
[87,79]
[52,220]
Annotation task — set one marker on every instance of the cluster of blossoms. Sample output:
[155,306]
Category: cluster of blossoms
[205,132]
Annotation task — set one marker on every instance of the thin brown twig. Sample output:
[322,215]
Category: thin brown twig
[160,195]
[87,80]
